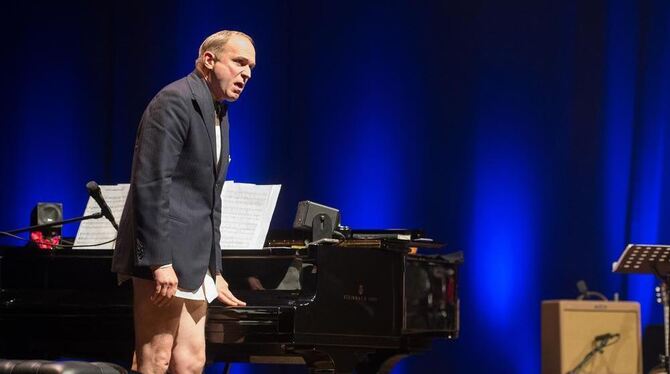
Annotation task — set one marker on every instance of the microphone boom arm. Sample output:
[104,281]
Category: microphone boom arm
[56,223]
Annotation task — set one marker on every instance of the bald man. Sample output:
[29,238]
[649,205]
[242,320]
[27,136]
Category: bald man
[168,241]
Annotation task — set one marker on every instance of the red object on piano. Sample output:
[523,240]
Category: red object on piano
[42,242]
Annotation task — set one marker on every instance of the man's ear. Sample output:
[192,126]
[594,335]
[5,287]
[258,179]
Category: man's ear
[208,59]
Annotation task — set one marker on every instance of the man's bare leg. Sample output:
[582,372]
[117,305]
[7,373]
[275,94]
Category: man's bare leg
[188,352]
[155,328]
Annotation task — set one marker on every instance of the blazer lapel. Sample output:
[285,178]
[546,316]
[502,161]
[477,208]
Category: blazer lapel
[225,150]
[203,98]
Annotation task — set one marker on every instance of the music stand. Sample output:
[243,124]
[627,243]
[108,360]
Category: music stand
[650,259]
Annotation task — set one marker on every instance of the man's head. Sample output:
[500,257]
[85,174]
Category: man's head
[226,60]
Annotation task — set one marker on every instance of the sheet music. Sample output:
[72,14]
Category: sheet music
[94,231]
[246,211]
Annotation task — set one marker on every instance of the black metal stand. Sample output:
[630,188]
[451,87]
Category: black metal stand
[651,259]
[57,223]
[666,322]
[600,346]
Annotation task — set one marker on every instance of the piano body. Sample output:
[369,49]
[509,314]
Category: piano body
[363,304]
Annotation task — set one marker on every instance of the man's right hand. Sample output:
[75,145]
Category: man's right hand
[166,285]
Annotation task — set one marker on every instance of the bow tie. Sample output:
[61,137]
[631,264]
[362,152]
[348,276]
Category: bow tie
[220,109]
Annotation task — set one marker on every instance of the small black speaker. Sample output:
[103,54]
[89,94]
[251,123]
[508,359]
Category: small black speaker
[44,213]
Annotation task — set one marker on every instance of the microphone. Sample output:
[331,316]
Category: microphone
[585,293]
[607,336]
[96,194]
[581,286]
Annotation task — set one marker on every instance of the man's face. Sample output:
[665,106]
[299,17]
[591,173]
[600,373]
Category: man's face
[231,69]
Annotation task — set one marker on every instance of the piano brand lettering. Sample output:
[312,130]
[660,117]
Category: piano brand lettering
[360,296]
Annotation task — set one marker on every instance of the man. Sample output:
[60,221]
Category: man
[169,234]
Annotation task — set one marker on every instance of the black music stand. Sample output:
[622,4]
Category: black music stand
[650,259]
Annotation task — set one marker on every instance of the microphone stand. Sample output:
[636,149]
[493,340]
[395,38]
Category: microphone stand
[599,348]
[666,322]
[56,223]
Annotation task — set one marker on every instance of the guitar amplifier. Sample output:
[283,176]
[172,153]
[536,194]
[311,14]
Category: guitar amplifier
[572,328]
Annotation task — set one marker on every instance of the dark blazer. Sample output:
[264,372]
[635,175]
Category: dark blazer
[173,210]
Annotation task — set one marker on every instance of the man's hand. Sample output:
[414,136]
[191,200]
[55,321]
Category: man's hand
[166,285]
[225,296]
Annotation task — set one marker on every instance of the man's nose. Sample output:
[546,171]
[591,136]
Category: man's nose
[246,73]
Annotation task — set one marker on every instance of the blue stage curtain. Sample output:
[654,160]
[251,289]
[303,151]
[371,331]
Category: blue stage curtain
[530,134]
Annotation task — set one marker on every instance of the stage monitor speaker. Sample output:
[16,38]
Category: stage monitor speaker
[570,328]
[46,213]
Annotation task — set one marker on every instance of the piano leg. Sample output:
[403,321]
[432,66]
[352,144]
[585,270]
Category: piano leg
[317,361]
[387,366]
[343,360]
[379,362]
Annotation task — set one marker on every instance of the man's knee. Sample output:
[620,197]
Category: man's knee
[187,360]
[154,358]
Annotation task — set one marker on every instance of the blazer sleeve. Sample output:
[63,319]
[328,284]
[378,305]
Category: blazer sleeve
[161,137]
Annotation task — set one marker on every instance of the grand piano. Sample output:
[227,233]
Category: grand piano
[362,304]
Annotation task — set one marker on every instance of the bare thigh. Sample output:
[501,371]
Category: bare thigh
[188,352]
[155,328]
